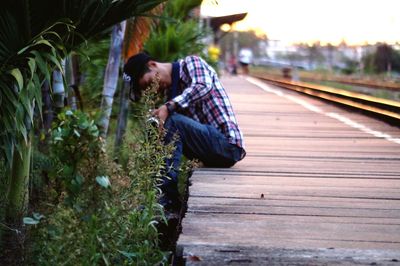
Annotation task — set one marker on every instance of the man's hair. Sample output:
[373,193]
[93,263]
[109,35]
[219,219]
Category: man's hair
[134,69]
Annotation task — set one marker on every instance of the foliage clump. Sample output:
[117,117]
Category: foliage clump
[101,213]
[177,36]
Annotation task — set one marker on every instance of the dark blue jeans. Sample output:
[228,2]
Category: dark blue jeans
[195,140]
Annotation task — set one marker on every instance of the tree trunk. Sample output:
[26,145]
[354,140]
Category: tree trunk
[111,76]
[17,207]
[58,90]
[122,117]
[18,190]
[47,108]
[74,77]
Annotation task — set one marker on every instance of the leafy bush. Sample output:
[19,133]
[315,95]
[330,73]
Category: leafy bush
[112,233]
[93,58]
[177,36]
[175,41]
[75,143]
[111,213]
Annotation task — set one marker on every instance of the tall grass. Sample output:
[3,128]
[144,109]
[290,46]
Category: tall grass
[112,217]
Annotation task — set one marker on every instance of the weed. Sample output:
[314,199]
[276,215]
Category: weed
[102,213]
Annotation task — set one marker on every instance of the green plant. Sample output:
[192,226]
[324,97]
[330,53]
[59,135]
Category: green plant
[42,165]
[33,42]
[115,212]
[178,36]
[75,140]
[175,41]
[93,58]
[116,232]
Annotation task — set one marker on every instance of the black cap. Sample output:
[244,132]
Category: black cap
[134,69]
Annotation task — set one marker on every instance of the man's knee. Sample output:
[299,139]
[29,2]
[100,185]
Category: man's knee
[180,123]
[173,120]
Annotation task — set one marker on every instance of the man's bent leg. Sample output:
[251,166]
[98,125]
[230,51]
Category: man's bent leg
[169,183]
[202,141]
[195,140]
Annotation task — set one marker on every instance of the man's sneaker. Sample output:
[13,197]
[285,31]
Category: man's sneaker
[169,204]
[171,215]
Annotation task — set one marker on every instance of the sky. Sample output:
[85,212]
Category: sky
[293,21]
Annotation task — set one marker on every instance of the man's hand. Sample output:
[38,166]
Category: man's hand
[161,113]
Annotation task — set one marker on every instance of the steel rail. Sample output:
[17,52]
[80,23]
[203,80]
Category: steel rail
[387,86]
[383,107]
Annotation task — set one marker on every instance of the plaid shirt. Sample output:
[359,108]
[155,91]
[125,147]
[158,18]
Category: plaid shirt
[202,97]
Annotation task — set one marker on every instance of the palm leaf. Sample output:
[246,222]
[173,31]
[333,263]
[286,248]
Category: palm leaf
[44,32]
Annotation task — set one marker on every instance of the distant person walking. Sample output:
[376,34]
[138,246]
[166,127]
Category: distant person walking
[232,68]
[245,59]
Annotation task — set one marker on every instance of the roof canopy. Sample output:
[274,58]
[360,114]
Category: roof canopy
[216,22]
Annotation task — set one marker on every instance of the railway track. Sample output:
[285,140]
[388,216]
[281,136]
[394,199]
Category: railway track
[383,108]
[376,85]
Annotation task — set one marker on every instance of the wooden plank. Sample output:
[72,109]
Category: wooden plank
[242,171]
[309,182]
[254,191]
[297,203]
[324,165]
[245,255]
[292,173]
[288,231]
[240,206]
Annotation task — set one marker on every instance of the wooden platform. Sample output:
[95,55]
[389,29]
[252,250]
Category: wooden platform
[320,186]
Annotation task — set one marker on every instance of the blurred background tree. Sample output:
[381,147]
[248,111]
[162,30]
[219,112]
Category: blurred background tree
[177,34]
[383,59]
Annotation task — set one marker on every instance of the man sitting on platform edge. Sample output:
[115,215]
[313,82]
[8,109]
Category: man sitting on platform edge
[197,109]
